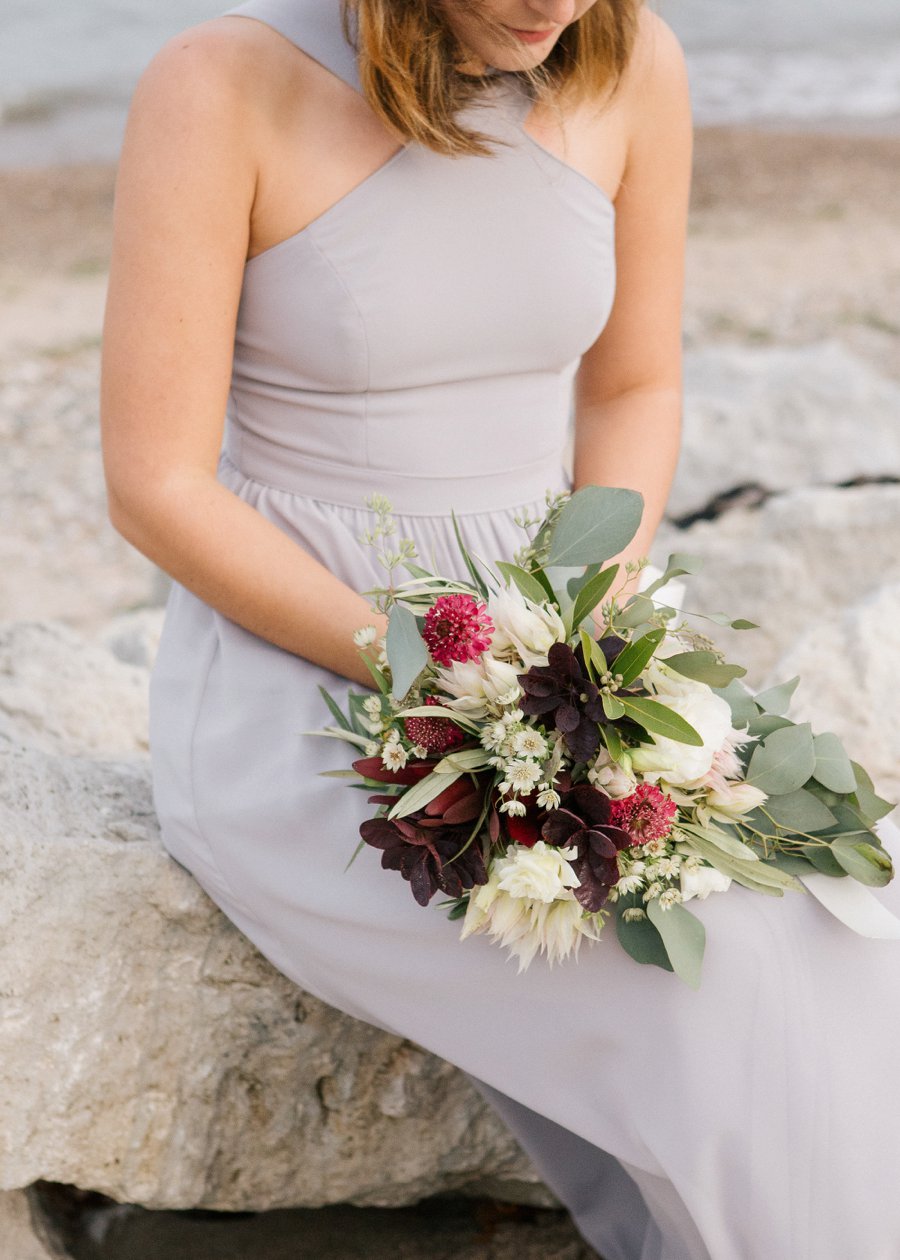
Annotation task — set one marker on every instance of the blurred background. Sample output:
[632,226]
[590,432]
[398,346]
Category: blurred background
[789,488]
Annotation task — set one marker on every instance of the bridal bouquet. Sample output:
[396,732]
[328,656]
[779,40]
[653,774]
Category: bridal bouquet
[549,755]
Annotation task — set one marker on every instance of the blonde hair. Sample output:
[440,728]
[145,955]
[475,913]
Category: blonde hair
[409,56]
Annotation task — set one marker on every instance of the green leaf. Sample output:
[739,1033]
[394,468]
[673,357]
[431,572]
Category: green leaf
[597,522]
[743,624]
[527,583]
[743,706]
[833,769]
[704,667]
[777,699]
[766,723]
[684,937]
[658,719]
[824,861]
[465,759]
[580,580]
[678,564]
[723,841]
[476,577]
[438,710]
[612,741]
[637,610]
[592,593]
[423,792]
[406,651]
[759,876]
[871,805]
[634,658]
[799,811]
[864,862]
[378,676]
[335,709]
[783,761]
[612,706]
[642,941]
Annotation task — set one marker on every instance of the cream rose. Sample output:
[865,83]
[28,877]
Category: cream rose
[678,763]
[537,873]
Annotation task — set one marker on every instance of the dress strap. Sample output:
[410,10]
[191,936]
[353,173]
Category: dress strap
[314,26]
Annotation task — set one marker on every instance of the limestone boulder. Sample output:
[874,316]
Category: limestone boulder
[797,561]
[780,417]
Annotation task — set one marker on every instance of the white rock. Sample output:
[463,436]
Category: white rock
[848,668]
[148,1051]
[61,694]
[798,560]
[782,417]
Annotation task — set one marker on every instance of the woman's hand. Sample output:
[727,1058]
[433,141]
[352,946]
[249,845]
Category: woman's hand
[184,199]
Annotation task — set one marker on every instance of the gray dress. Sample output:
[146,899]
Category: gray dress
[420,339]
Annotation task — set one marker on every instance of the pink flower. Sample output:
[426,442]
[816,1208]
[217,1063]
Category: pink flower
[646,815]
[457,628]
[437,734]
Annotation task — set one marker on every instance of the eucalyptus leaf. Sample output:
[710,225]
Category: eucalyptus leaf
[580,580]
[833,769]
[406,651]
[684,937]
[824,861]
[766,723]
[678,565]
[592,593]
[759,876]
[422,793]
[704,667]
[597,522]
[777,699]
[783,761]
[870,804]
[634,658]
[743,706]
[659,719]
[527,583]
[864,862]
[799,811]
[637,610]
[642,941]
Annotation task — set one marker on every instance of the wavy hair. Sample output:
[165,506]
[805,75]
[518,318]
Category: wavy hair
[409,60]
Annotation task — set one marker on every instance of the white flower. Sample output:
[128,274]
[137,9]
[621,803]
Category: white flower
[669,898]
[548,798]
[702,881]
[493,737]
[679,763]
[537,873]
[371,748]
[735,799]
[512,807]
[529,743]
[610,777]
[477,685]
[523,628]
[522,775]
[629,884]
[372,706]
[365,636]
[373,727]
[523,926]
[420,751]
[394,756]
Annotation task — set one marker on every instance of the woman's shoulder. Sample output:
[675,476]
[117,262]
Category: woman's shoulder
[656,74]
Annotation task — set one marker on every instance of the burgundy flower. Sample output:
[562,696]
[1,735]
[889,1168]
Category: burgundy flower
[563,689]
[457,628]
[646,815]
[427,846]
[437,734]
[583,822]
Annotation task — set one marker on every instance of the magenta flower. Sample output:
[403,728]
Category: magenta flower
[457,628]
[646,815]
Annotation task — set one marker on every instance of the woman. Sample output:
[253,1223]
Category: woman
[313,243]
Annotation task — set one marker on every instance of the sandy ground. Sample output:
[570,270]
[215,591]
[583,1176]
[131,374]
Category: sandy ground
[792,238]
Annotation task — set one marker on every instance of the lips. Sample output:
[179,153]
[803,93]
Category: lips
[531,37]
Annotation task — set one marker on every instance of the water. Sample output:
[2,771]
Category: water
[67,67]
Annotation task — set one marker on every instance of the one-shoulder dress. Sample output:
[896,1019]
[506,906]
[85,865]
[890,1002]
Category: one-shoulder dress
[420,339]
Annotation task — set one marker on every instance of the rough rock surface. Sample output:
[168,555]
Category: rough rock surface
[796,561]
[848,669]
[148,1051]
[780,416]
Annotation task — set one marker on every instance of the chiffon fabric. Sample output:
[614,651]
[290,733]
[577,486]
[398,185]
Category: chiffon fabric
[419,339]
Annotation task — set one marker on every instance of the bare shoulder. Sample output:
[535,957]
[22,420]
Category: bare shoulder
[656,78]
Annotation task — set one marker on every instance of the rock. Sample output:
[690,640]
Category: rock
[134,637]
[781,417]
[23,1233]
[148,1051]
[61,694]
[848,668]
[797,561]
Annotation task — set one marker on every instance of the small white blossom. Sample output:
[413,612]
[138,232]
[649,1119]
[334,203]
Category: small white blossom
[371,748]
[372,706]
[703,881]
[373,727]
[393,736]
[420,751]
[514,808]
[522,775]
[365,636]
[653,891]
[529,743]
[634,914]
[629,884]
[670,897]
[494,736]
[548,798]
[513,717]
[666,867]
[394,756]
[510,696]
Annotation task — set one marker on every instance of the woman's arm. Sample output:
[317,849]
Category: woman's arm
[628,398]
[184,200]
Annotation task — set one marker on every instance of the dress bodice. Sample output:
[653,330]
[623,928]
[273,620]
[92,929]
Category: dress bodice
[432,318]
